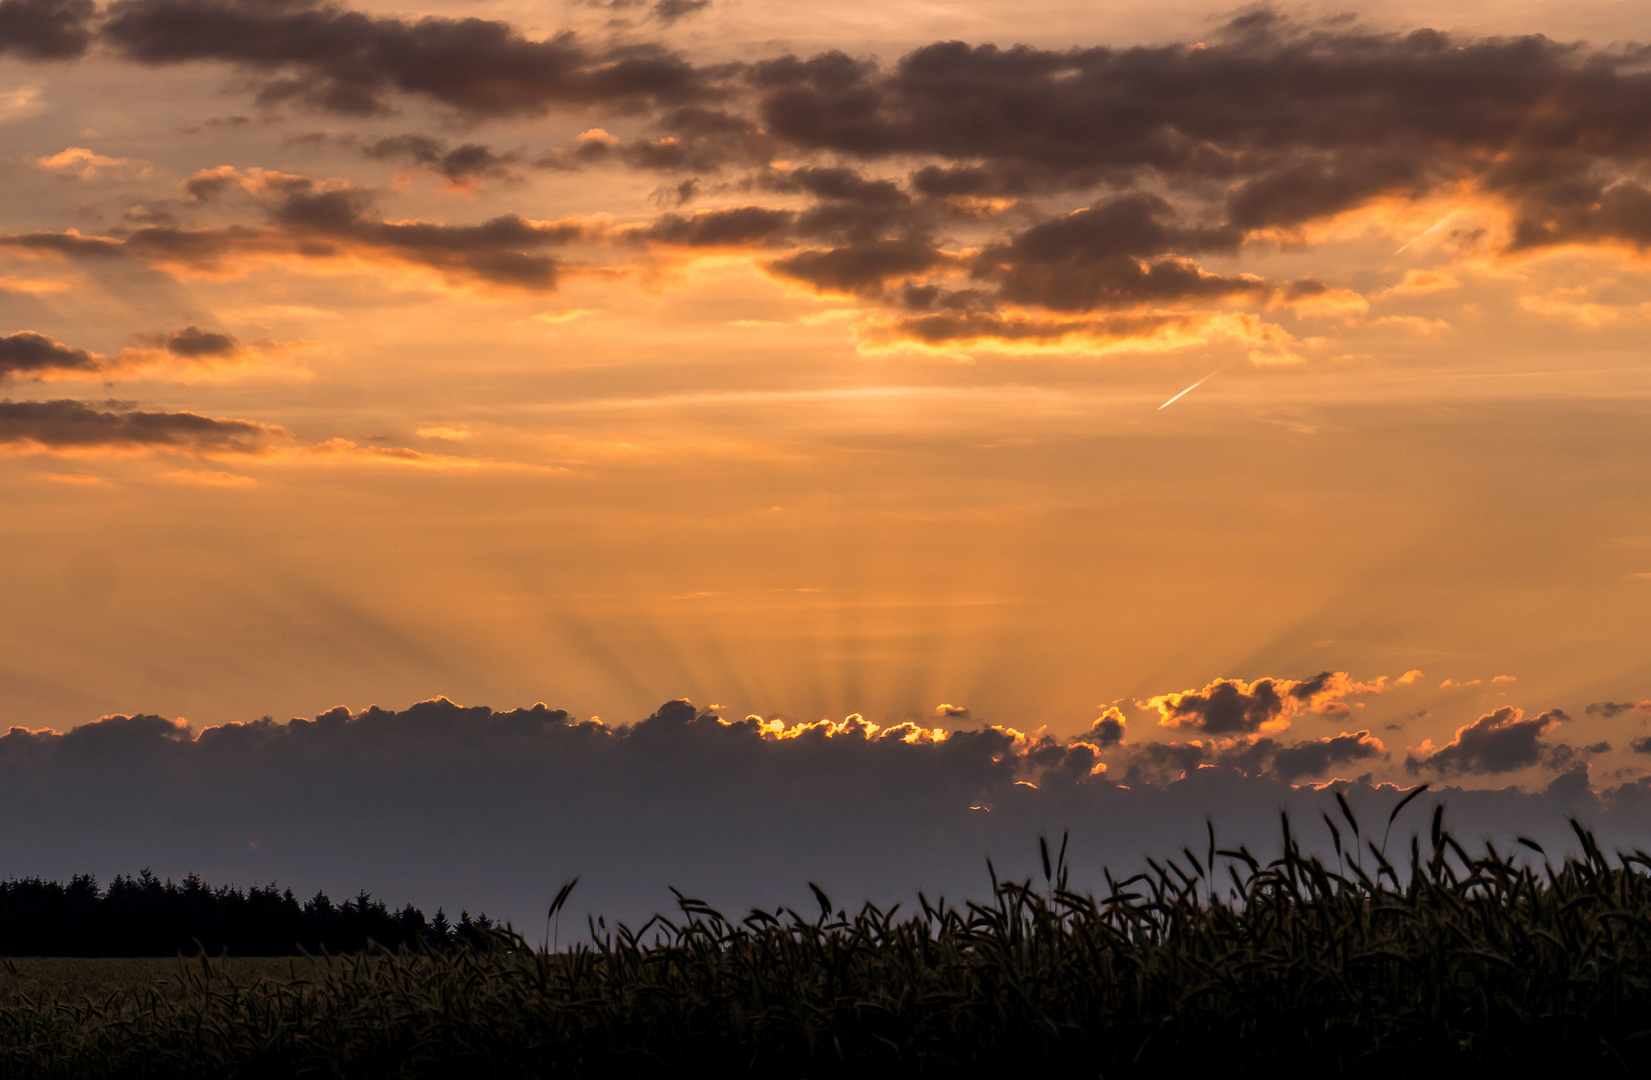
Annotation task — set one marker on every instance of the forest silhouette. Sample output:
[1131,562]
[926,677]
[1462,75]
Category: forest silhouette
[145,916]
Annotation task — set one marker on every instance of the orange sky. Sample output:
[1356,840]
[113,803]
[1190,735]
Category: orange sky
[617,405]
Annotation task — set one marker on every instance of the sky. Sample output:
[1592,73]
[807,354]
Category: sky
[1198,395]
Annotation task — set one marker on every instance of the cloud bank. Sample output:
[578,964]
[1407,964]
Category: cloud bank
[470,807]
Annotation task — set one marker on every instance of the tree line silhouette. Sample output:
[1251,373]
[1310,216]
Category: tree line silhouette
[145,916]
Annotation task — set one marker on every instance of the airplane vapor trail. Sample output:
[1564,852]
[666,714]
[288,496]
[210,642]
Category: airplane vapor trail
[1429,231]
[1188,390]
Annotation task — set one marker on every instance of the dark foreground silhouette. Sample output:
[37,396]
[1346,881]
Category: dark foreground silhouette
[1370,967]
[144,916]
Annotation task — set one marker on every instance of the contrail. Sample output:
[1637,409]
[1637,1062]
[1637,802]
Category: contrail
[1430,230]
[1189,390]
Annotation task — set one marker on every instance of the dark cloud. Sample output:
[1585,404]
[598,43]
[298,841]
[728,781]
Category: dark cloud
[461,165]
[307,221]
[1268,125]
[27,353]
[69,245]
[1230,708]
[1641,745]
[665,12]
[1112,254]
[1226,706]
[46,29]
[1609,709]
[1565,756]
[1162,763]
[1196,151]
[1109,729]
[672,11]
[696,139]
[1498,742]
[469,807]
[965,326]
[73,425]
[862,269]
[192,342]
[332,57]
[1297,120]
[735,226]
[1319,756]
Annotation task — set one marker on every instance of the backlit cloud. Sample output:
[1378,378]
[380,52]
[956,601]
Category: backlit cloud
[1230,708]
[467,805]
[1498,742]
[79,163]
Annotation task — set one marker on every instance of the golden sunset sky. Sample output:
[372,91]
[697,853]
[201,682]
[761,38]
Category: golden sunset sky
[804,361]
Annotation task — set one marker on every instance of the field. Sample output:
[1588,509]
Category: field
[67,978]
[1371,966]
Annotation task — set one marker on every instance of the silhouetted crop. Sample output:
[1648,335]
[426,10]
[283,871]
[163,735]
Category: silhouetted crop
[1211,959]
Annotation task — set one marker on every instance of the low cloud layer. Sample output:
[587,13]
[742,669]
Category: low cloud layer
[464,806]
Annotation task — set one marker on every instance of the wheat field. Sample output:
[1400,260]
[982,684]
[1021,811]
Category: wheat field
[1374,964]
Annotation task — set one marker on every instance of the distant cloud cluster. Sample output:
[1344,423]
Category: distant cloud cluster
[444,804]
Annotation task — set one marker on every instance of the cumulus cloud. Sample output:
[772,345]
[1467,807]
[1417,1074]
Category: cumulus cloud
[1318,756]
[1109,729]
[1163,763]
[193,342]
[1296,120]
[471,807]
[1271,127]
[1231,708]
[1498,742]
[1268,125]
[26,353]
